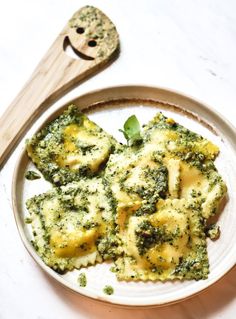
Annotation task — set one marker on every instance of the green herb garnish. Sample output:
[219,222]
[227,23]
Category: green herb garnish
[108,290]
[32,175]
[132,131]
[82,280]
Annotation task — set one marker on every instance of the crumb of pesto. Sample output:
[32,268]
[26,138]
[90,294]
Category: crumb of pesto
[213,231]
[108,290]
[32,175]
[113,269]
[28,220]
[82,280]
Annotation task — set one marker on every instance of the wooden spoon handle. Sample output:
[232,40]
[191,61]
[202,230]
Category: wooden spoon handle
[93,37]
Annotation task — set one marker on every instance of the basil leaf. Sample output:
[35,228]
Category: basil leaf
[132,130]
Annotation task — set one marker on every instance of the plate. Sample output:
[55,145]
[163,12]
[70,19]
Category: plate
[109,108]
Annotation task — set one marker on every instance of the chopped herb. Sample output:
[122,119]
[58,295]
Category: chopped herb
[82,280]
[32,175]
[108,290]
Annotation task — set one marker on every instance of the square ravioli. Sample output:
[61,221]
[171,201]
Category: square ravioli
[164,134]
[73,226]
[134,178]
[189,158]
[70,147]
[169,244]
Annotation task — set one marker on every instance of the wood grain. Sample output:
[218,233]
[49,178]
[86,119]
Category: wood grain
[57,72]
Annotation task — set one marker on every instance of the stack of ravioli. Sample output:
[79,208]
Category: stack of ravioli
[145,206]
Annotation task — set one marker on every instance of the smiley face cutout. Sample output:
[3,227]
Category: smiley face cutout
[91,35]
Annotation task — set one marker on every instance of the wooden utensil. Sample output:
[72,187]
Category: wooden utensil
[92,37]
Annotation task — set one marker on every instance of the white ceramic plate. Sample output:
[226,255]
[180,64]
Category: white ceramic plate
[109,108]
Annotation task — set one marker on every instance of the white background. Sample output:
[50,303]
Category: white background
[187,45]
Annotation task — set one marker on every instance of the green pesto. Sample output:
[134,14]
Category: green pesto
[82,279]
[156,182]
[109,194]
[32,175]
[213,231]
[155,187]
[158,156]
[108,290]
[148,236]
[28,220]
[196,267]
[108,246]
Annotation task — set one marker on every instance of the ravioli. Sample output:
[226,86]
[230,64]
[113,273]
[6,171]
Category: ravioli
[70,147]
[164,134]
[205,189]
[73,225]
[134,178]
[145,206]
[189,159]
[169,244]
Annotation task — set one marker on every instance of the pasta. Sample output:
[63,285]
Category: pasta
[145,206]
[70,147]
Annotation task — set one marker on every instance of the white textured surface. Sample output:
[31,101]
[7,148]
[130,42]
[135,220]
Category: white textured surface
[185,45]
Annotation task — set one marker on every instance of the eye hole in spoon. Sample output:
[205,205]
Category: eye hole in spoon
[92,43]
[80,30]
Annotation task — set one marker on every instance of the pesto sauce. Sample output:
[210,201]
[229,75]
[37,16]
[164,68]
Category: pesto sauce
[156,183]
[197,268]
[108,246]
[213,231]
[32,175]
[82,279]
[108,290]
[28,220]
[148,236]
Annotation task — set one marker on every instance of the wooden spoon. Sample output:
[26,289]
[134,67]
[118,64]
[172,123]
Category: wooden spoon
[92,37]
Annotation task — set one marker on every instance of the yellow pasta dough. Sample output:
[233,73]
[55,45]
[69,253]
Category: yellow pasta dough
[72,224]
[168,244]
[70,147]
